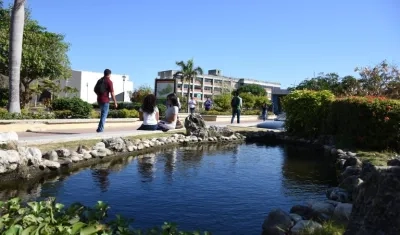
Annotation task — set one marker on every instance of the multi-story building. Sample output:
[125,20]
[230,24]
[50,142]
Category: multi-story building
[84,82]
[214,83]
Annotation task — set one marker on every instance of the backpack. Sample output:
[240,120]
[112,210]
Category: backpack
[235,103]
[100,86]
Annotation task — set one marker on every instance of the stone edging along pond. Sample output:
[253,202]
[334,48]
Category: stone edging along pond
[356,177]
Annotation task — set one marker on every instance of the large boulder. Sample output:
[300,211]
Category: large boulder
[278,222]
[9,160]
[376,208]
[195,125]
[305,225]
[216,131]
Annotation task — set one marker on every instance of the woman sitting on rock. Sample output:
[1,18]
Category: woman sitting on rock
[171,115]
[149,113]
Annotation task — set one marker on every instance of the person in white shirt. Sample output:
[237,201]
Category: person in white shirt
[192,105]
[171,115]
[149,114]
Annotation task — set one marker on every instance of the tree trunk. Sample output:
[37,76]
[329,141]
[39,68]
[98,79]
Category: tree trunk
[15,54]
[188,95]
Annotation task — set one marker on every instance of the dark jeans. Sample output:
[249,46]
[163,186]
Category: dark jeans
[192,110]
[148,127]
[235,112]
[104,108]
[264,116]
[207,108]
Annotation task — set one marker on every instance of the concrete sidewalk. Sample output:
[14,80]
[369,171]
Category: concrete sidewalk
[35,138]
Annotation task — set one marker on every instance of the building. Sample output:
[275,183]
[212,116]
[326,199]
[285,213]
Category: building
[277,95]
[84,82]
[214,83]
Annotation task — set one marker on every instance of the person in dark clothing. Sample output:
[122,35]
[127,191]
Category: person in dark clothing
[236,104]
[208,104]
[264,113]
[103,98]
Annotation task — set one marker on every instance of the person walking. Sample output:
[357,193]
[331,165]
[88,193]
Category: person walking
[103,89]
[208,104]
[236,104]
[264,112]
[192,105]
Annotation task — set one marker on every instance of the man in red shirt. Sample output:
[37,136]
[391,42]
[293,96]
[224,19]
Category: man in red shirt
[103,99]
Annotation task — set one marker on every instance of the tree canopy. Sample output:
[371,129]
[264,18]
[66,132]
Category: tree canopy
[44,56]
[252,88]
[381,80]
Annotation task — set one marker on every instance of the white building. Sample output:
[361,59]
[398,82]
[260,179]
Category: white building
[84,82]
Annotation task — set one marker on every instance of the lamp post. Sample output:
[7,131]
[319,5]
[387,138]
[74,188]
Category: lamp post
[87,92]
[123,88]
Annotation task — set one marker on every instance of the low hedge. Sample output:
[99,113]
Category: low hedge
[363,122]
[49,217]
[5,115]
[307,111]
[243,112]
[77,107]
[366,122]
[123,113]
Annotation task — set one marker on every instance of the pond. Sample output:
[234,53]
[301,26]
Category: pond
[224,189]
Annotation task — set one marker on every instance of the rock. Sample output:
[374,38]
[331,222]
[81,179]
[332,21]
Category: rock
[87,156]
[109,152]
[82,149]
[66,162]
[63,153]
[340,163]
[196,126]
[115,144]
[339,151]
[342,212]
[308,225]
[304,211]
[353,161]
[99,145]
[101,153]
[141,146]
[334,151]
[51,155]
[31,156]
[76,158]
[295,217]
[277,222]
[8,137]
[322,207]
[367,170]
[215,131]
[146,145]
[376,208]
[350,183]
[52,165]
[349,171]
[394,162]
[129,145]
[94,153]
[338,194]
[351,154]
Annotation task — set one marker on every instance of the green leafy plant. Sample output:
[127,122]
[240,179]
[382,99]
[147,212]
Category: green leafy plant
[307,111]
[222,102]
[123,113]
[51,218]
[78,107]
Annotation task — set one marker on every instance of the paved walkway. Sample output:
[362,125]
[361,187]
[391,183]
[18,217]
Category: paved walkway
[85,134]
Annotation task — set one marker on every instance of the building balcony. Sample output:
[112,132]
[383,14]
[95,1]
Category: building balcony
[207,84]
[207,92]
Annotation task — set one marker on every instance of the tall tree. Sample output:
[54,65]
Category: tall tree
[15,54]
[188,73]
[255,89]
[44,58]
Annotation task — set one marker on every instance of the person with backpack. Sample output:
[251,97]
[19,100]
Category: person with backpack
[208,104]
[103,89]
[236,104]
[264,112]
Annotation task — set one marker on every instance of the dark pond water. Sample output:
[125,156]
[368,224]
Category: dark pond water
[225,189]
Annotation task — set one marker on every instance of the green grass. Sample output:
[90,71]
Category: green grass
[375,158]
[328,228]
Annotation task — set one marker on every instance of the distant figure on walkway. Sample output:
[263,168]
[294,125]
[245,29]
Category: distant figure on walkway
[149,114]
[171,115]
[103,89]
[192,105]
[236,104]
[207,104]
[264,112]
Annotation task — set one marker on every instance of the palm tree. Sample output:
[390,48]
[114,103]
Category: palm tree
[187,72]
[15,55]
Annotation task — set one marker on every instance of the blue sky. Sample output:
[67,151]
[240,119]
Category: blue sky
[281,41]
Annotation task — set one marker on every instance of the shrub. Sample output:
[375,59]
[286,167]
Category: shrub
[63,114]
[49,217]
[307,111]
[248,100]
[78,107]
[4,115]
[366,122]
[3,97]
[162,109]
[260,100]
[123,113]
[223,102]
